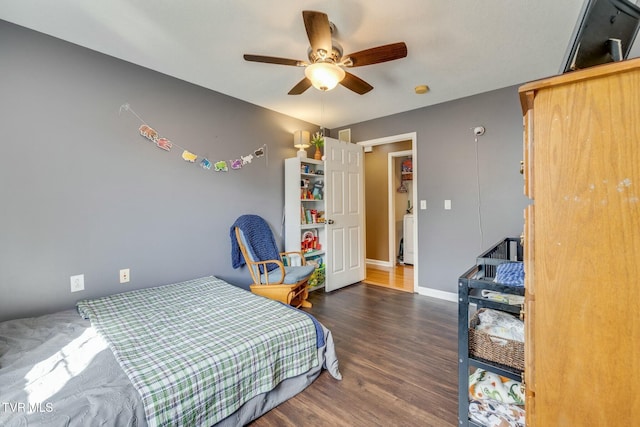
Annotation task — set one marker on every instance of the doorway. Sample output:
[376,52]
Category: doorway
[400,196]
[383,223]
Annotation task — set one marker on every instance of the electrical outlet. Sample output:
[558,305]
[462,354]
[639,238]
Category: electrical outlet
[447,204]
[423,204]
[77,283]
[124,275]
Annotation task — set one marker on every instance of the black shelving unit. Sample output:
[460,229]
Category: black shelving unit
[470,286]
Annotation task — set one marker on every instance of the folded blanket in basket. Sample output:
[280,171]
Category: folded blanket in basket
[500,324]
[489,385]
[490,413]
[495,400]
[510,299]
[510,273]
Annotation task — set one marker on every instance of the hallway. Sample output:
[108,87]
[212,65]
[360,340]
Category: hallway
[399,277]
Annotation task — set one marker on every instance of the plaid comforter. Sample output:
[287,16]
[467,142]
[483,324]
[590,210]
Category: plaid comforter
[196,351]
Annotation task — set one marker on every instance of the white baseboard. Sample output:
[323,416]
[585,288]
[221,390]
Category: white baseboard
[435,293]
[422,290]
[378,263]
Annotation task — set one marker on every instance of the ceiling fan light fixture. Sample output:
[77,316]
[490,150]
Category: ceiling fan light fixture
[324,76]
[324,70]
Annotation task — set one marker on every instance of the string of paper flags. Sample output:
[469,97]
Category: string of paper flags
[165,144]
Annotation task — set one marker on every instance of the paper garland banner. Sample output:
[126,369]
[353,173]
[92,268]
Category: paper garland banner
[188,156]
[205,163]
[165,144]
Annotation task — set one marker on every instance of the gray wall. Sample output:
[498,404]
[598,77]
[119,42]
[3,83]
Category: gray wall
[449,240]
[83,193]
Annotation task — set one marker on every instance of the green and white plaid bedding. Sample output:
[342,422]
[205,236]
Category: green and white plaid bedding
[197,350]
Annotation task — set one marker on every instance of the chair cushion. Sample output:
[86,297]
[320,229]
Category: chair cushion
[291,274]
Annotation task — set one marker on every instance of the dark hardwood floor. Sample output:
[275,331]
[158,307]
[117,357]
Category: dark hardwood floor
[398,358]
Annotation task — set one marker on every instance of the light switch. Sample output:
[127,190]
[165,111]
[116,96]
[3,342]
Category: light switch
[423,204]
[447,205]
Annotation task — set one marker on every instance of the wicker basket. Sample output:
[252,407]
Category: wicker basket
[317,277]
[481,346]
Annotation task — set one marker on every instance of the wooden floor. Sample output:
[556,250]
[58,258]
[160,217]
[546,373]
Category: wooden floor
[399,277]
[398,358]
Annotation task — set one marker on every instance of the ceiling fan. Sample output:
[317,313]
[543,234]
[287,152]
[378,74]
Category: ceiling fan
[325,68]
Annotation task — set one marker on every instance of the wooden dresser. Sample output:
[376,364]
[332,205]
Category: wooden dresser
[582,247]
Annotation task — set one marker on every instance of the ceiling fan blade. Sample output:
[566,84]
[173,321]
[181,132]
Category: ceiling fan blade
[303,85]
[318,30]
[377,55]
[274,60]
[355,84]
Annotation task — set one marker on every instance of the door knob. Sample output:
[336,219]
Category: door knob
[329,221]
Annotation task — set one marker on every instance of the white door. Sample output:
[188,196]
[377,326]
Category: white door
[344,204]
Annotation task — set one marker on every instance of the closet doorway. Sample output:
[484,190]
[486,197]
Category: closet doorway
[389,196]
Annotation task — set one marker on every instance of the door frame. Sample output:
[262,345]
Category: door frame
[413,137]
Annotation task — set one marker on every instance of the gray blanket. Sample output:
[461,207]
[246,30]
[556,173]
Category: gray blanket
[55,370]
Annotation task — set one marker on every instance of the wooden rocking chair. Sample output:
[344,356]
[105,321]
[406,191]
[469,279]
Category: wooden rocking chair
[275,278]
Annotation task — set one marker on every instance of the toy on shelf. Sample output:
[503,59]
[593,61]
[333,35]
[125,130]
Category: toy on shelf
[305,191]
[317,190]
[310,242]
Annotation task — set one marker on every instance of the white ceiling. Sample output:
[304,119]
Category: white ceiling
[457,47]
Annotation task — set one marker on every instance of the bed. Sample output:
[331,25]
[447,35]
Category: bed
[201,352]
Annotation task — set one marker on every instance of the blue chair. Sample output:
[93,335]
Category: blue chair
[273,272]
